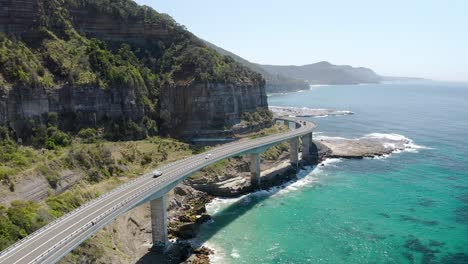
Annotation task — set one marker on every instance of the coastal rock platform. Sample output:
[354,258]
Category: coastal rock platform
[372,145]
[307,112]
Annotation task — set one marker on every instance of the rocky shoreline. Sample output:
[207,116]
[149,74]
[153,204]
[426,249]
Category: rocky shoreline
[185,220]
[307,112]
[368,146]
[130,234]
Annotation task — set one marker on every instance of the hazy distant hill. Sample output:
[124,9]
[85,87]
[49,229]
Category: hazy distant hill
[325,73]
[403,79]
[291,78]
[274,82]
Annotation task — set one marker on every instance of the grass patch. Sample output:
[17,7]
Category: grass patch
[275,129]
[273,153]
[69,200]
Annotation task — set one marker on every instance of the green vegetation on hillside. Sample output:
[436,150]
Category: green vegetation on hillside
[274,82]
[98,156]
[18,64]
[59,55]
[22,218]
[258,117]
[13,158]
[217,171]
[275,129]
[19,220]
[103,164]
[273,153]
[100,161]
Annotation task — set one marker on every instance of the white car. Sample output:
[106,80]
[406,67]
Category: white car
[208,156]
[157,174]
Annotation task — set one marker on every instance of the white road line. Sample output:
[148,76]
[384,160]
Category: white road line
[177,173]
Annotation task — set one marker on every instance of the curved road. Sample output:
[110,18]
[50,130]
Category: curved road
[55,240]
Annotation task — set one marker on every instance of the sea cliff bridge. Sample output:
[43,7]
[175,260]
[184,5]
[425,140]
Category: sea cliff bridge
[52,242]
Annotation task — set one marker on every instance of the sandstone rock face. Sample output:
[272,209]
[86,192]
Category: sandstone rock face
[106,27]
[81,105]
[191,109]
[203,107]
[17,16]
[3,108]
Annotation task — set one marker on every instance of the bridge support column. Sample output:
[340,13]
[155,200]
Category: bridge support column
[294,151]
[306,144]
[159,224]
[255,170]
[286,123]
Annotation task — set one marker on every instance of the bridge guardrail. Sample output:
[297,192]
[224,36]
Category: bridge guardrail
[121,187]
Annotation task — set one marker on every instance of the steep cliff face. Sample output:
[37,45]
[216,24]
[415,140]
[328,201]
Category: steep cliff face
[78,106]
[107,27]
[17,16]
[199,108]
[147,66]
[3,108]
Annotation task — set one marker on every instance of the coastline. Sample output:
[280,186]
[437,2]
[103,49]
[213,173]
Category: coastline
[381,206]
[284,181]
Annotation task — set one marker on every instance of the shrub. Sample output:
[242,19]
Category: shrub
[58,137]
[49,137]
[150,126]
[9,233]
[69,200]
[18,64]
[39,137]
[52,119]
[261,115]
[147,158]
[88,135]
[24,214]
[4,134]
[98,161]
[124,129]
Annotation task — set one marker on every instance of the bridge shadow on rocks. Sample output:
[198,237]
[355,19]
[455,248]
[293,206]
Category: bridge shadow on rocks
[237,207]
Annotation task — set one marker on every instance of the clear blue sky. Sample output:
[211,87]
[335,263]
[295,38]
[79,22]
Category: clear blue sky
[418,38]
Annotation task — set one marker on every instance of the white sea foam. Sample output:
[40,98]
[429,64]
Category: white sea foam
[218,255]
[397,142]
[235,254]
[389,145]
[306,177]
[320,136]
[308,112]
[391,136]
[409,144]
[382,157]
[274,247]
[218,204]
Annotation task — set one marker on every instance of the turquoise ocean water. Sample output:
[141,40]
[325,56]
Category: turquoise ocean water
[410,207]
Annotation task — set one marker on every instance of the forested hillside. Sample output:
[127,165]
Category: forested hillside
[115,65]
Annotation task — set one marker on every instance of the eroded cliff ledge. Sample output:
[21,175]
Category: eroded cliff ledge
[144,66]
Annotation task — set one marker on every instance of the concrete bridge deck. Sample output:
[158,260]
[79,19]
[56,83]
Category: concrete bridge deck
[50,243]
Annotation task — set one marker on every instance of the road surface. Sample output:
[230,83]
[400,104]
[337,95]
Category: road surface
[50,243]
